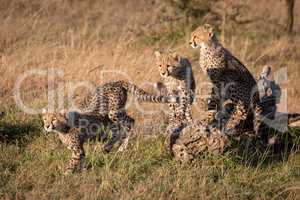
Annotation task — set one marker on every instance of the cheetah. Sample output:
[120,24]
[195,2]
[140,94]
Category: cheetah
[68,126]
[106,105]
[109,100]
[232,81]
[177,74]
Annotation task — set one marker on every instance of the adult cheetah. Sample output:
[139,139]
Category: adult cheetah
[232,83]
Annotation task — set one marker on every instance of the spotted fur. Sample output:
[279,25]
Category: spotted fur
[178,80]
[109,101]
[105,107]
[231,80]
[71,133]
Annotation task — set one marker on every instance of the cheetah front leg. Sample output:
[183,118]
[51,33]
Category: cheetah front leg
[210,103]
[258,125]
[184,104]
[77,161]
[232,111]
[234,123]
[257,110]
[173,133]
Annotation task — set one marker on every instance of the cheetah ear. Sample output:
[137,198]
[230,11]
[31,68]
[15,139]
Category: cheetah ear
[210,30]
[157,54]
[176,56]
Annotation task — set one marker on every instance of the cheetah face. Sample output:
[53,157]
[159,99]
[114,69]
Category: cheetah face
[168,63]
[201,36]
[55,122]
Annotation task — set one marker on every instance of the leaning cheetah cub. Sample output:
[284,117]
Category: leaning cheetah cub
[72,134]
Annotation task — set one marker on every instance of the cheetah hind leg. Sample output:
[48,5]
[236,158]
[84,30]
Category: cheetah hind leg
[115,137]
[116,115]
[121,132]
[77,161]
[234,124]
[127,132]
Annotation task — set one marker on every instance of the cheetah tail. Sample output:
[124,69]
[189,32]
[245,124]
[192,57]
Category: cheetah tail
[294,117]
[143,96]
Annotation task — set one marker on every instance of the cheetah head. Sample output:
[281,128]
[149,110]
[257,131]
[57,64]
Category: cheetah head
[55,122]
[202,35]
[168,63]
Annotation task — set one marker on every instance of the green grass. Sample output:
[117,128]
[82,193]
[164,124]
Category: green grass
[32,169]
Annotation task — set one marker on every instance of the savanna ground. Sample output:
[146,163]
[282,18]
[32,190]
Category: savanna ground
[84,39]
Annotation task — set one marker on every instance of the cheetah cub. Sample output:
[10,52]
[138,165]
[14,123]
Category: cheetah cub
[105,107]
[109,100]
[72,134]
[232,82]
[178,80]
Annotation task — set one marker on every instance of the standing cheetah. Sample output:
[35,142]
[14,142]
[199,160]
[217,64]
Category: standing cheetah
[179,81]
[231,79]
[110,100]
[103,106]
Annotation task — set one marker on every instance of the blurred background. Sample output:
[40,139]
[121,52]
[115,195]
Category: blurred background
[86,39]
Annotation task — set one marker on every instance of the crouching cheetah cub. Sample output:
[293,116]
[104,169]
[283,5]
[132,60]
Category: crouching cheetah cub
[178,80]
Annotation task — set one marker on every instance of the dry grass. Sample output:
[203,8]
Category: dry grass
[86,38]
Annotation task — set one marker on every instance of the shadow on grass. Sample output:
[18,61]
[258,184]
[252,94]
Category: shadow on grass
[18,133]
[271,148]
